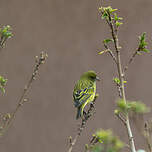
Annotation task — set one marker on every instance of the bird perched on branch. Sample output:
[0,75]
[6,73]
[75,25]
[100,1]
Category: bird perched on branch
[84,91]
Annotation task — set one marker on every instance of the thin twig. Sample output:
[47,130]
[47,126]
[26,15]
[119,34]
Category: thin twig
[147,134]
[121,77]
[110,52]
[95,140]
[119,90]
[83,124]
[123,120]
[131,59]
[1,44]
[39,60]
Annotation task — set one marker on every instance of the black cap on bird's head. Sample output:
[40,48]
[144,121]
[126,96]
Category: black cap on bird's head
[90,75]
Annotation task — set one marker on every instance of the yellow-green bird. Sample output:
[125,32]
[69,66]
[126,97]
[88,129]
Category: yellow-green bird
[84,91]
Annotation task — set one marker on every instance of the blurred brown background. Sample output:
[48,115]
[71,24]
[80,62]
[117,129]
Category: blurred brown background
[71,32]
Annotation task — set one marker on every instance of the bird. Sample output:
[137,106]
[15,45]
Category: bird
[84,91]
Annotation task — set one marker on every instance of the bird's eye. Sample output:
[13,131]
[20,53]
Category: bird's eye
[93,77]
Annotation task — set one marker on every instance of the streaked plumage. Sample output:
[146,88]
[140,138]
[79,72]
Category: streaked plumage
[84,91]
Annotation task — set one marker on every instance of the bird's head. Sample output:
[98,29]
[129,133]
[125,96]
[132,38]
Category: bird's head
[91,75]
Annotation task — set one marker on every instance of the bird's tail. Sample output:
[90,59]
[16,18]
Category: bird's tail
[78,113]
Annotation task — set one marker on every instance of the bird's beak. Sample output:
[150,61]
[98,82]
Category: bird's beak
[97,78]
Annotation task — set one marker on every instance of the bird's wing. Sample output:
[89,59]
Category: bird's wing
[81,96]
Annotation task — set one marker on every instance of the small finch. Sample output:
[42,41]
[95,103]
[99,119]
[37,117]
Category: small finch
[84,91]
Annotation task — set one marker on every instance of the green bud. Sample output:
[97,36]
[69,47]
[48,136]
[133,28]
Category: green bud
[107,41]
[123,107]
[2,84]
[102,52]
[116,112]
[137,107]
[118,23]
[116,80]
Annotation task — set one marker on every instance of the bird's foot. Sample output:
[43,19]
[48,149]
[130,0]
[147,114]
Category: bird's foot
[92,105]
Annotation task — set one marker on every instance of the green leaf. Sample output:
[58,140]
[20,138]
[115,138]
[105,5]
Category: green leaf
[146,50]
[106,11]
[100,8]
[120,18]
[108,40]
[112,10]
[117,112]
[137,107]
[115,17]
[2,84]
[5,33]
[2,89]
[118,23]
[110,143]
[101,52]
[103,135]
[143,44]
[142,37]
[116,80]
[96,148]
[104,15]
[134,106]
[122,106]
[8,34]
[2,81]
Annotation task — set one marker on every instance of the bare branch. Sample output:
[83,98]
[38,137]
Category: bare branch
[110,52]
[131,59]
[39,61]
[120,117]
[148,134]
[121,77]
[83,123]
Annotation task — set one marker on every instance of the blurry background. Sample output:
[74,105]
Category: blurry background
[70,31]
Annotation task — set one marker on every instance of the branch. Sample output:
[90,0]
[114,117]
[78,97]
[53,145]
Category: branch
[141,48]
[110,52]
[5,34]
[120,117]
[121,77]
[131,59]
[148,134]
[83,123]
[39,61]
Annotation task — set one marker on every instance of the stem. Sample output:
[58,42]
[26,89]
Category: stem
[131,59]
[21,101]
[111,53]
[147,135]
[123,120]
[73,143]
[121,77]
[19,105]
[83,123]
